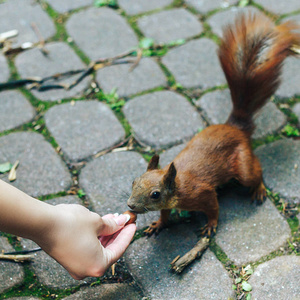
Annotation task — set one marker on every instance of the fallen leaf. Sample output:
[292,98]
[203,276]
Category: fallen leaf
[12,176]
[5,167]
[246,286]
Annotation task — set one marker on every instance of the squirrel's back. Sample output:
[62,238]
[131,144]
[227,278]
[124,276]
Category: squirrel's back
[251,54]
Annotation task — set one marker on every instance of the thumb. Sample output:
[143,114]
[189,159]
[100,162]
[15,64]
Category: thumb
[111,225]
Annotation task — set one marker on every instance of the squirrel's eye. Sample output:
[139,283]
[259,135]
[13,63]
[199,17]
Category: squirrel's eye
[155,195]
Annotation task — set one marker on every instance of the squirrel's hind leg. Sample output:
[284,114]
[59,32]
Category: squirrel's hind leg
[249,173]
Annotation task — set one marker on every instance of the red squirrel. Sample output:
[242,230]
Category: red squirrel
[251,54]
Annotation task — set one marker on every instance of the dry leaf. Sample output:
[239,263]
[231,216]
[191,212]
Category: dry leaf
[12,176]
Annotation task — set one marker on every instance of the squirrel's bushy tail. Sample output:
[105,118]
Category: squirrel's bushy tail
[251,55]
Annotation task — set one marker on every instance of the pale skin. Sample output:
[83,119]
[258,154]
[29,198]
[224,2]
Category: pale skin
[84,243]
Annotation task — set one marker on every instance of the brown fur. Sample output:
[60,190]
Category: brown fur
[251,55]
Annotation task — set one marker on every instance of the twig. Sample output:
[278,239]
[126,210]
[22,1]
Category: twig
[178,264]
[40,83]
[23,251]
[16,258]
[40,38]
[112,148]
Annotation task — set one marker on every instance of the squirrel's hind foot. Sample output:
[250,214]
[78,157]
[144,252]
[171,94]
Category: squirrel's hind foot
[208,230]
[259,193]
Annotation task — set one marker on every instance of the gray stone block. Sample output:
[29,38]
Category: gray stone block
[277,279]
[106,291]
[4,74]
[84,128]
[48,271]
[148,260]
[68,5]
[217,106]
[15,110]
[107,181]
[290,78]
[170,119]
[40,171]
[61,58]
[205,6]
[134,7]
[296,111]
[247,231]
[170,25]
[195,64]
[145,76]
[279,7]
[220,19]
[10,273]
[106,34]
[280,164]
[20,15]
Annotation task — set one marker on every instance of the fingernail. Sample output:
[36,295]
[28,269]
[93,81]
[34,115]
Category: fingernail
[122,219]
[116,214]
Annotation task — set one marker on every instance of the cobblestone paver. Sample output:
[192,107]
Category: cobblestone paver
[112,37]
[157,131]
[68,5]
[170,25]
[41,171]
[134,7]
[248,231]
[195,64]
[11,273]
[280,163]
[206,6]
[15,110]
[149,260]
[4,74]
[147,75]
[28,18]
[89,142]
[277,279]
[79,128]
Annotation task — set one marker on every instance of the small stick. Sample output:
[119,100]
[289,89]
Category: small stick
[16,258]
[178,265]
[113,269]
[41,39]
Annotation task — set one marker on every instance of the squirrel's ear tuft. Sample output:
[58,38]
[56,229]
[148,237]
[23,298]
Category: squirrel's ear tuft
[153,164]
[169,178]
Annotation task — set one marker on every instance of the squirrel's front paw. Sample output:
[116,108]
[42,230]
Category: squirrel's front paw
[155,227]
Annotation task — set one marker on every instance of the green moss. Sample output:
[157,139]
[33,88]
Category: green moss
[266,140]
[31,287]
[219,253]
[294,224]
[52,196]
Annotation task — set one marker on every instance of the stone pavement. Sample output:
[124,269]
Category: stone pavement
[74,146]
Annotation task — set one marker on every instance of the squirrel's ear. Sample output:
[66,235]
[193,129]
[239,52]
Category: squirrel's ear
[153,164]
[169,178]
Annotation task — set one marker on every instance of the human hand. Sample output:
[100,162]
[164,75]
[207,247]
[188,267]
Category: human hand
[84,243]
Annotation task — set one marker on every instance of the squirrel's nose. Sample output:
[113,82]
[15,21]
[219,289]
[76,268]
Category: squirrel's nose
[132,206]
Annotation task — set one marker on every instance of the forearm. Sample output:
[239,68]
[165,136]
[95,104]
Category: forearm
[21,214]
